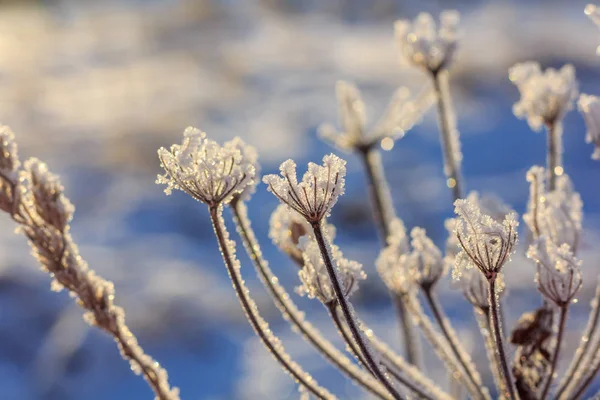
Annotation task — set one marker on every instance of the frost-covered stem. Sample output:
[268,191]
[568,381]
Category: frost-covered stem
[499,342]
[411,374]
[259,325]
[448,134]
[333,313]
[554,152]
[595,368]
[383,210]
[291,312]
[562,319]
[450,336]
[482,315]
[348,312]
[412,345]
[439,344]
[573,372]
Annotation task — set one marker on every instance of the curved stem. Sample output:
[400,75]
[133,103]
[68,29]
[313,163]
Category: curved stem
[333,313]
[448,134]
[499,342]
[595,367]
[348,312]
[383,210]
[290,311]
[559,336]
[455,345]
[256,321]
[554,152]
[576,365]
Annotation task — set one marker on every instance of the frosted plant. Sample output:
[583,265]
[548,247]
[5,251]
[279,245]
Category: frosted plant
[556,214]
[545,99]
[558,279]
[314,277]
[208,172]
[485,243]
[35,199]
[591,10]
[318,191]
[425,45]
[545,95]
[589,106]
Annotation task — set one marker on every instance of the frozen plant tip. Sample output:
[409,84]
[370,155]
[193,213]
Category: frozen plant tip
[202,168]
[555,214]
[314,278]
[425,45]
[485,243]
[589,106]
[592,11]
[400,116]
[558,275]
[545,95]
[318,191]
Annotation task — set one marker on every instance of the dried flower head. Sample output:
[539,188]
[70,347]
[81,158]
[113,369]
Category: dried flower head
[202,168]
[402,114]
[47,195]
[425,260]
[318,191]
[286,227]
[558,274]
[485,243]
[545,96]
[589,107]
[314,277]
[425,45]
[249,159]
[489,205]
[557,214]
[475,287]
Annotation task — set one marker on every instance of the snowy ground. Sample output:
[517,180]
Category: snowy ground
[95,88]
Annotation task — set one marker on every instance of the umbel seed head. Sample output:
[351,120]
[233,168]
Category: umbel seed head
[202,168]
[318,191]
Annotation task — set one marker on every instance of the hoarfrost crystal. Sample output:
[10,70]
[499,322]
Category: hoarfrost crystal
[545,96]
[426,46]
[318,191]
[558,275]
[202,168]
[589,106]
[314,277]
[485,243]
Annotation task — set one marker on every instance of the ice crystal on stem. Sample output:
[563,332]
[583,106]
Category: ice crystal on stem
[9,167]
[318,191]
[485,243]
[475,287]
[555,214]
[559,275]
[545,96]
[314,277]
[202,168]
[425,45]
[401,114]
[589,106]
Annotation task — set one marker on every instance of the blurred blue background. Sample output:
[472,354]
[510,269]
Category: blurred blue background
[94,88]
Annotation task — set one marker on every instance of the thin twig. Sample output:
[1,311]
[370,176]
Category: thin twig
[291,312]
[258,323]
[482,315]
[559,336]
[498,338]
[448,134]
[348,312]
[450,336]
[554,152]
